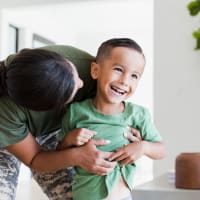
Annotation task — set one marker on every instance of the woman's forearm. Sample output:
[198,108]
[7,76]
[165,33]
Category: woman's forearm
[34,156]
[86,156]
[54,160]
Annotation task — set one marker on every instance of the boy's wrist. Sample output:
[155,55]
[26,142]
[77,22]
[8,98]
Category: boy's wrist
[145,147]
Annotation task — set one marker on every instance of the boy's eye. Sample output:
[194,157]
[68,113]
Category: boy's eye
[134,76]
[118,69]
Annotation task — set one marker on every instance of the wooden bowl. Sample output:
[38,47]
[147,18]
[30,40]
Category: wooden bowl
[188,171]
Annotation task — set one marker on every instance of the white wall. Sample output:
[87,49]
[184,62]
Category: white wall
[86,25]
[176,79]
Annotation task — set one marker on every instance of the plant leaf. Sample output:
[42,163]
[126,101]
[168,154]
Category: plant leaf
[194,7]
[196,34]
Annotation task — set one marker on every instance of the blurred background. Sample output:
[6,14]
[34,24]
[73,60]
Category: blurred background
[170,85]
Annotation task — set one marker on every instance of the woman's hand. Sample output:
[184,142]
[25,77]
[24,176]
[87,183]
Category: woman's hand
[135,135]
[93,160]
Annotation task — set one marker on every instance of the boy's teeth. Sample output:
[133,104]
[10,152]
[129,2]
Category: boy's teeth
[118,90]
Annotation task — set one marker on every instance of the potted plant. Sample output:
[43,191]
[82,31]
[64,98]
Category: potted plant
[194,9]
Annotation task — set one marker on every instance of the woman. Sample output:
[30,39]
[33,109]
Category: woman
[35,85]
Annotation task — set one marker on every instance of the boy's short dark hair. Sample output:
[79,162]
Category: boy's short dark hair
[106,47]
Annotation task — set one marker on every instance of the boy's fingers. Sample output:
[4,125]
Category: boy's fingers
[115,155]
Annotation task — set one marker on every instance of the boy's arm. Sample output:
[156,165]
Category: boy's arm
[76,137]
[133,151]
[150,145]
[154,150]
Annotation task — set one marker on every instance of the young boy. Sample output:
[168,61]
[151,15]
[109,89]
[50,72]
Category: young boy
[118,68]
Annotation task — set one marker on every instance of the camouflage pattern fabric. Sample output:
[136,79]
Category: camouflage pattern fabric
[9,171]
[56,185]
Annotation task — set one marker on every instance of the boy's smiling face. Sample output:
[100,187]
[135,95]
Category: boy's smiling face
[118,74]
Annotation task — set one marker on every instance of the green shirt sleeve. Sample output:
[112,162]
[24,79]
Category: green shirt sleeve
[12,127]
[148,129]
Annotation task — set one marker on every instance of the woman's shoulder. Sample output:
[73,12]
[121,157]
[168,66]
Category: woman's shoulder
[10,109]
[7,104]
[81,104]
[70,52]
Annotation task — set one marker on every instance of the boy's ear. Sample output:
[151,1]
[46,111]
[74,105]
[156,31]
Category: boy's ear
[94,70]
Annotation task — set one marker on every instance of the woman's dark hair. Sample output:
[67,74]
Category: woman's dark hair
[37,79]
[2,78]
[106,47]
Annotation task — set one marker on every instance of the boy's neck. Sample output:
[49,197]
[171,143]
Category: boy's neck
[108,108]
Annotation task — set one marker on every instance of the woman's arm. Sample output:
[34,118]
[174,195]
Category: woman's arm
[87,156]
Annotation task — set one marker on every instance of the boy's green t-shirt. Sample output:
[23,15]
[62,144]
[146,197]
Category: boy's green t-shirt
[88,186]
[16,121]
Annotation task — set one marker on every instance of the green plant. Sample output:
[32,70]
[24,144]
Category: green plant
[194,9]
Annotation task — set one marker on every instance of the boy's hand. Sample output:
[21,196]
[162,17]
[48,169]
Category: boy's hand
[77,137]
[128,154]
[80,136]
[131,152]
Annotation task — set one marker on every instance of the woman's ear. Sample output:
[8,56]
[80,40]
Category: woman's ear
[94,70]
